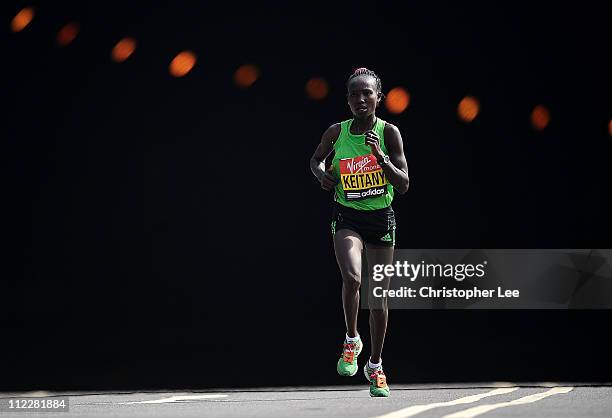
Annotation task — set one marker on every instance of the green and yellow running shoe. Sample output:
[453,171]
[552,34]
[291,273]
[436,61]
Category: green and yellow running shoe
[347,363]
[378,381]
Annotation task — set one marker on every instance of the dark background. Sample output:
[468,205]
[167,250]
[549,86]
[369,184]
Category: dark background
[167,233]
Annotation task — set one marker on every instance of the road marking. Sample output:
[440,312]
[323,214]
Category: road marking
[175,399]
[477,410]
[417,409]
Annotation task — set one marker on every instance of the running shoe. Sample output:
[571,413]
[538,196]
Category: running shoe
[378,381]
[347,363]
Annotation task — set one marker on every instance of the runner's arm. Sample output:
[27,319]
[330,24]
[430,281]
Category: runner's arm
[397,171]
[323,151]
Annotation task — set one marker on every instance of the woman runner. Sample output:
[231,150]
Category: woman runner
[368,164]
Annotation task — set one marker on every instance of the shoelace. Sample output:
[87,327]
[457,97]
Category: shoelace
[376,372]
[349,347]
[349,352]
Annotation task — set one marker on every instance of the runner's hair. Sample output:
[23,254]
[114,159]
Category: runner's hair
[365,71]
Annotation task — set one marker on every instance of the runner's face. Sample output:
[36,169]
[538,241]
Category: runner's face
[362,96]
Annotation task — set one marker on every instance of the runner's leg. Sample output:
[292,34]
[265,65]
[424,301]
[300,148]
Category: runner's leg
[348,246]
[379,310]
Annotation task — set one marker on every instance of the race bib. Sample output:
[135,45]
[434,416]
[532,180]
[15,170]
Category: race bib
[362,177]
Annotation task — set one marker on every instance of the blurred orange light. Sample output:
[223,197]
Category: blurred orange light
[123,49]
[610,127]
[397,100]
[540,117]
[246,75]
[182,63]
[468,108]
[316,88]
[22,19]
[67,33]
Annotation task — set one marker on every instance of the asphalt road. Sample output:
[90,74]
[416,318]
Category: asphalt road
[451,401]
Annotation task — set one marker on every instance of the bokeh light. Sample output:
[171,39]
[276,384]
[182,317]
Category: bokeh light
[22,19]
[317,88]
[246,75]
[397,100]
[124,48]
[610,127]
[468,108]
[182,63]
[67,33]
[540,117]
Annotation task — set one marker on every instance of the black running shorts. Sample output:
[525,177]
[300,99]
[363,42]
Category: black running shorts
[375,226]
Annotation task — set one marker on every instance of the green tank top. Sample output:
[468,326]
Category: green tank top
[362,183]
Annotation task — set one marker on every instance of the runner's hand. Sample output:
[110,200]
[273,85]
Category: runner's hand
[328,180]
[373,140]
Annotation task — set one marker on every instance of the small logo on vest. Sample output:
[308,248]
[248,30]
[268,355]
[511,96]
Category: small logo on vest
[387,238]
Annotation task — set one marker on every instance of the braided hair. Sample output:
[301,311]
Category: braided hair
[365,71]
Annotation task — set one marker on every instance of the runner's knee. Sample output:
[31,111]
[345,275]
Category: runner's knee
[351,279]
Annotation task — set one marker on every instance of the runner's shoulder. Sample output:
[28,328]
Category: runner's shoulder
[332,133]
[391,129]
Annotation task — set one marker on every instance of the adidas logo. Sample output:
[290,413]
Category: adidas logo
[386,237]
